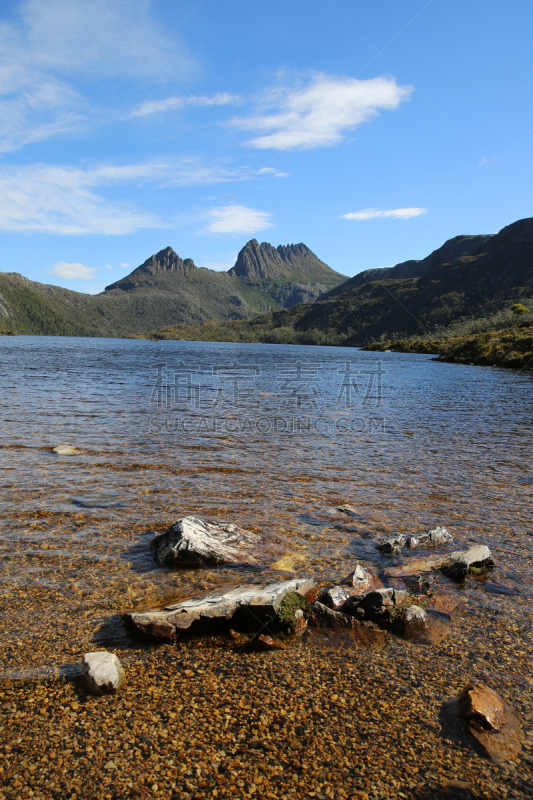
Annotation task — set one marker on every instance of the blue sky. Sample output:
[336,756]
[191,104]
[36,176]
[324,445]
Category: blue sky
[372,132]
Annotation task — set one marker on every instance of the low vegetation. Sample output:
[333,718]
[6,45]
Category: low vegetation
[510,347]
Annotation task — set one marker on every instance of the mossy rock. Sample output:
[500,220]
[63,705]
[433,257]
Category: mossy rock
[291,603]
[480,570]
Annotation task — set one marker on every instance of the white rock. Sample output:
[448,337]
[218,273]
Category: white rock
[458,564]
[250,606]
[104,672]
[360,578]
[433,537]
[65,450]
[192,542]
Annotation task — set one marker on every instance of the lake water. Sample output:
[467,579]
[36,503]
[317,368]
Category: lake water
[271,438]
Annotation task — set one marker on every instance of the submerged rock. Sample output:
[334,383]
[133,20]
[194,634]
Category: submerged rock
[444,605]
[192,542]
[490,720]
[98,500]
[413,622]
[65,450]
[432,538]
[103,672]
[324,617]
[421,583]
[263,644]
[347,509]
[460,563]
[395,544]
[288,562]
[418,567]
[392,544]
[245,607]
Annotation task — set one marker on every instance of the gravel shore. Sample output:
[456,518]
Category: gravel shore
[328,718]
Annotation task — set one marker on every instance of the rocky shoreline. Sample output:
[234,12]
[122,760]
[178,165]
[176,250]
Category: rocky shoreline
[343,699]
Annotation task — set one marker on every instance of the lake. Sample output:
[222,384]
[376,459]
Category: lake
[271,438]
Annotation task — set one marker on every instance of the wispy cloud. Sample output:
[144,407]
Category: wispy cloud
[49,46]
[274,172]
[72,200]
[238,219]
[72,271]
[318,112]
[173,103]
[397,213]
[63,200]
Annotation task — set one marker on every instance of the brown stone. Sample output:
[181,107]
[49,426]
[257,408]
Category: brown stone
[262,644]
[296,745]
[300,622]
[491,721]
[415,567]
[482,707]
[311,595]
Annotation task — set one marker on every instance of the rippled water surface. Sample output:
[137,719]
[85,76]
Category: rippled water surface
[246,434]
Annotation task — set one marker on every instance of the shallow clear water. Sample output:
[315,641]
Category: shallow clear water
[243,433]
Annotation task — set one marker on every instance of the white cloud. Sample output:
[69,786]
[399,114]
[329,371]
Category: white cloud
[125,265]
[320,112]
[274,172]
[109,266]
[172,103]
[397,213]
[72,201]
[238,219]
[72,271]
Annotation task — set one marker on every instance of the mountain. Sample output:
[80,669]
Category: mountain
[468,278]
[289,274]
[153,269]
[451,249]
[164,290]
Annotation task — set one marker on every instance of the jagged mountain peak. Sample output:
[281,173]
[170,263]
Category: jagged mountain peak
[257,262]
[166,260]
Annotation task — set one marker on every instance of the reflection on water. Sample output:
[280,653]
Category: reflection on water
[247,434]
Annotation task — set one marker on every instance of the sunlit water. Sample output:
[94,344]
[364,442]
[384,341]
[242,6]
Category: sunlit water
[245,434]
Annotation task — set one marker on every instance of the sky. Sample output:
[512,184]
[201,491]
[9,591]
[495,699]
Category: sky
[372,132]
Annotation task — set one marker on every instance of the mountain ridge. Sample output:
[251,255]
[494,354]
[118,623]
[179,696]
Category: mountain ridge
[165,289]
[490,274]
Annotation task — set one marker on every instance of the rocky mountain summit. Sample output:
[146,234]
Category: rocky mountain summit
[147,273]
[262,262]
